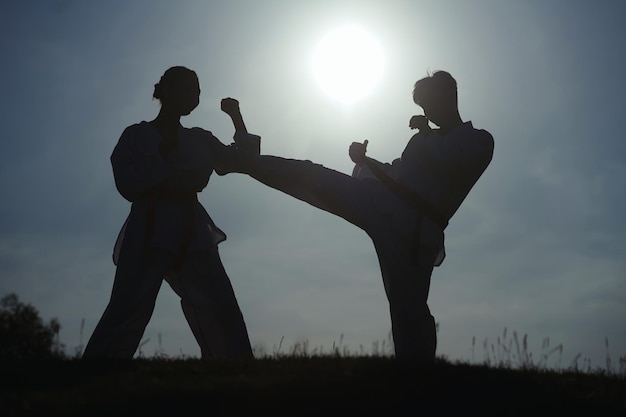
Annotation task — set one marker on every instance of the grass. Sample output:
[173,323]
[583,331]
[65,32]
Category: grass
[300,380]
[307,380]
[511,353]
[298,385]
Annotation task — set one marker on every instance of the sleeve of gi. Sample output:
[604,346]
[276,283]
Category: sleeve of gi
[137,164]
[233,157]
[462,150]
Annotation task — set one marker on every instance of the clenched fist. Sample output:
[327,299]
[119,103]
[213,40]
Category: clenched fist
[419,122]
[230,106]
[357,152]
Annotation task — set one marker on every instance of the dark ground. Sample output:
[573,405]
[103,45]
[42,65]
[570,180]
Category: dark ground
[299,387]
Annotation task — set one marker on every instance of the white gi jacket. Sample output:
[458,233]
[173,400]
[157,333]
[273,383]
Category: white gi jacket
[442,169]
[165,212]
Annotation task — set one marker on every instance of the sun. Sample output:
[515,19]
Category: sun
[348,63]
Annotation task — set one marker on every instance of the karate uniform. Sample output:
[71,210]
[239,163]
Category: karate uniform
[168,234]
[441,169]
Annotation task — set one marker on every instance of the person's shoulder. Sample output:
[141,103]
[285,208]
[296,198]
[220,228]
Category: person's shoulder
[480,134]
[424,136]
[484,135]
[202,138]
[200,133]
[483,143]
[140,129]
[142,126]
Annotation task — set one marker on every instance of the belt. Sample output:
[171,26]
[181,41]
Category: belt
[413,199]
[171,195]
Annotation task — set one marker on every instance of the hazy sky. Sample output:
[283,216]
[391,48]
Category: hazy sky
[537,248]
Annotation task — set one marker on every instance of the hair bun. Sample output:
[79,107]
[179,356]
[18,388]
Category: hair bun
[157,91]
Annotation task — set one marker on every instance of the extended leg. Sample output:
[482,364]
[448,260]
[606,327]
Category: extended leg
[322,187]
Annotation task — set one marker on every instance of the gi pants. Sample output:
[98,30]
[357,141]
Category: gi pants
[207,300]
[389,222]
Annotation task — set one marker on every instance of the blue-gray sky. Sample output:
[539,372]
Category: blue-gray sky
[537,248]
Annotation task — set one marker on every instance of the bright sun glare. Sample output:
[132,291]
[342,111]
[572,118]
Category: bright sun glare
[348,63]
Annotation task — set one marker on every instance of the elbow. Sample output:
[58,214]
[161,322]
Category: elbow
[129,196]
[222,172]
[128,193]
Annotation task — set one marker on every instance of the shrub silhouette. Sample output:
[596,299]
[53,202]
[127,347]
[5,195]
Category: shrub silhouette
[24,335]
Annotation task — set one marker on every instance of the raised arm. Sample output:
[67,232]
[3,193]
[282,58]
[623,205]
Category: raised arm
[230,106]
[364,163]
[420,122]
[248,144]
[233,158]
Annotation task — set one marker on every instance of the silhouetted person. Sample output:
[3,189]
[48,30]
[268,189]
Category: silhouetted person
[404,206]
[160,166]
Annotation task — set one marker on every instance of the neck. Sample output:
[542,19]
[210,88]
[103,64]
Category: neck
[450,123]
[167,120]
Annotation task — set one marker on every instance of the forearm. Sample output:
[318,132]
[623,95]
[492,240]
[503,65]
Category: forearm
[388,168]
[237,156]
[230,106]
[183,180]
[238,123]
[134,177]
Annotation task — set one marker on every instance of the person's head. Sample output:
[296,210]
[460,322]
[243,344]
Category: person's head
[178,90]
[437,95]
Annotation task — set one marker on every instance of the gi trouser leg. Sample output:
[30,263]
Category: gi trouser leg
[137,282]
[207,299]
[210,305]
[407,286]
[372,207]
